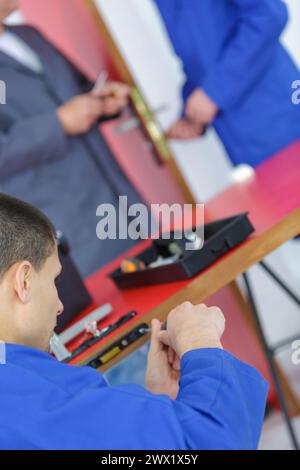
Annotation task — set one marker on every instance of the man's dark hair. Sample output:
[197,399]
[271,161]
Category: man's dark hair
[25,234]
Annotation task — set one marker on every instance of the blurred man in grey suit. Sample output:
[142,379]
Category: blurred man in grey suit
[51,151]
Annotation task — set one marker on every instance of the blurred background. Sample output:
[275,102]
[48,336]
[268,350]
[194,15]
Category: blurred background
[140,35]
[205,164]
[203,161]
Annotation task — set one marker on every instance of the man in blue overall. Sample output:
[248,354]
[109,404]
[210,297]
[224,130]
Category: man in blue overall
[239,77]
[198,396]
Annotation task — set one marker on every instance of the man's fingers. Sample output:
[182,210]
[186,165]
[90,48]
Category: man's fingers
[113,105]
[173,359]
[171,355]
[172,132]
[191,112]
[176,363]
[155,343]
[177,130]
[184,130]
[164,338]
[115,89]
[96,107]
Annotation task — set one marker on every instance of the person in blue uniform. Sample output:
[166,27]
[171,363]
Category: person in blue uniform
[198,396]
[239,75]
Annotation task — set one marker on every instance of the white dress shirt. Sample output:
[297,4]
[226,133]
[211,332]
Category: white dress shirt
[16,48]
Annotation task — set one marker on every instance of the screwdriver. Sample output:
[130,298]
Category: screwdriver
[145,331]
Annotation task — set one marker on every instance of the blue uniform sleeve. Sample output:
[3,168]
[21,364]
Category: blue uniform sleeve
[221,402]
[247,55]
[220,405]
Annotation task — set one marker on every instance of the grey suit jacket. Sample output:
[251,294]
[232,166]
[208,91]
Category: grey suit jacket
[66,177]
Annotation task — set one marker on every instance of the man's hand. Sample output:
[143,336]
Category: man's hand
[193,327]
[115,97]
[189,327]
[200,109]
[185,130]
[79,114]
[163,367]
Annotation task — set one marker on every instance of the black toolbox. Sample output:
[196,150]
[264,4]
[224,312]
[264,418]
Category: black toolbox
[220,237]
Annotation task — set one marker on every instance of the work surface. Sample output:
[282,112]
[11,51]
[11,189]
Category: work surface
[272,198]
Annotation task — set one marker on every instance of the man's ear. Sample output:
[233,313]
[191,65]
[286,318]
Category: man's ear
[23,281]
